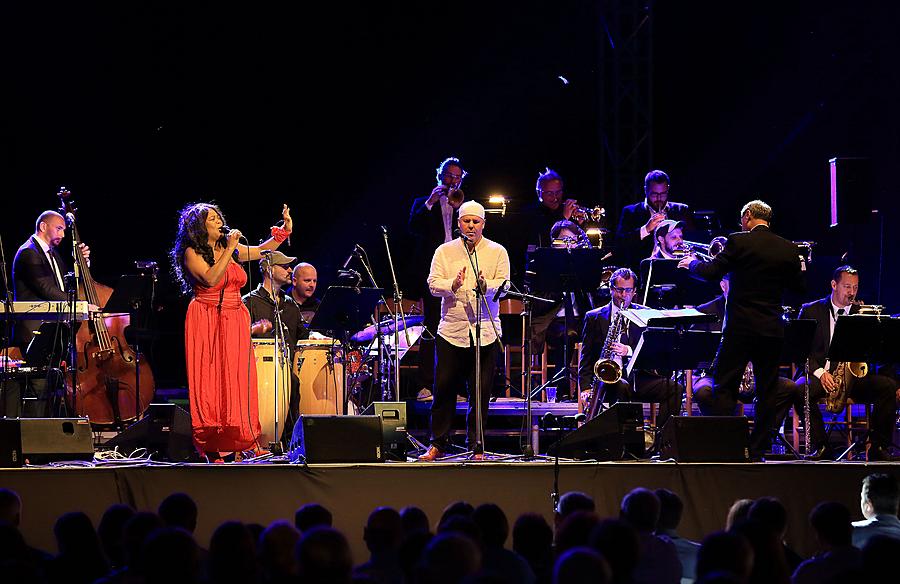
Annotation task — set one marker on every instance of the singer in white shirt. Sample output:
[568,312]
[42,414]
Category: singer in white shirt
[452,278]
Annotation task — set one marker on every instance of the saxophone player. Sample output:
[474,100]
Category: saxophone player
[878,390]
[644,386]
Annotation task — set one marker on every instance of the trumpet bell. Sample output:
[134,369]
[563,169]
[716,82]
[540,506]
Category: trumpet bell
[455,197]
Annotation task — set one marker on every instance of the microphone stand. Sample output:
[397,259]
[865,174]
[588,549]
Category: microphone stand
[398,313]
[282,357]
[379,339]
[7,325]
[530,448]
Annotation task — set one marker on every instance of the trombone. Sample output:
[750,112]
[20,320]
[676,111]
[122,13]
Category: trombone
[704,251]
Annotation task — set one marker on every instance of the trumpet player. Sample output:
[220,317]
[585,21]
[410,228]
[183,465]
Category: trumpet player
[669,240]
[638,222]
[431,224]
[644,386]
[551,206]
[875,389]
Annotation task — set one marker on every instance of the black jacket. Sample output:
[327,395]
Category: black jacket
[596,327]
[260,304]
[630,248]
[762,266]
[715,306]
[820,311]
[33,279]
[427,228]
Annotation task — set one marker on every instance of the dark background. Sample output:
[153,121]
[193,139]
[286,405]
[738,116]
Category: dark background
[343,110]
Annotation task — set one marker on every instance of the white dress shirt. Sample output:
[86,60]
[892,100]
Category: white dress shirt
[458,309]
[446,216]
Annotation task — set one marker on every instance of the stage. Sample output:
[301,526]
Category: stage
[264,492]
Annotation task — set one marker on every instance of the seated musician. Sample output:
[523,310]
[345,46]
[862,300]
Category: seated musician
[644,386]
[38,274]
[668,237]
[261,302]
[787,391]
[304,280]
[548,323]
[879,390]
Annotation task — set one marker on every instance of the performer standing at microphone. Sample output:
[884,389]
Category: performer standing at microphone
[220,367]
[453,280]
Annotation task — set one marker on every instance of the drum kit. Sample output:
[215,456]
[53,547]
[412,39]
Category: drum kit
[319,365]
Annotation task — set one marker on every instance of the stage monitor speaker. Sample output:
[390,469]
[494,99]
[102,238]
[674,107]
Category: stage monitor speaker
[43,440]
[616,433]
[324,438]
[706,439]
[394,443]
[165,431]
[851,191]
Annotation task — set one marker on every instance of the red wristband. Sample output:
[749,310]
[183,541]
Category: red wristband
[279,234]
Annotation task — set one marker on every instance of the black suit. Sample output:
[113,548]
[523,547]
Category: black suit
[787,392]
[878,390]
[649,387]
[762,266]
[630,248]
[33,279]
[427,228]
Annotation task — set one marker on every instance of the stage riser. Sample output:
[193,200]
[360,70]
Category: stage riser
[265,493]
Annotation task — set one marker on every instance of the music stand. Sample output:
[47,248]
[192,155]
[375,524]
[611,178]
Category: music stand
[678,287]
[563,270]
[798,338]
[132,296]
[865,338]
[343,311]
[676,348]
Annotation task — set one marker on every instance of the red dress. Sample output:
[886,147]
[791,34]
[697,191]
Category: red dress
[220,366]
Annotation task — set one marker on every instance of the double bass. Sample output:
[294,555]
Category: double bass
[113,384]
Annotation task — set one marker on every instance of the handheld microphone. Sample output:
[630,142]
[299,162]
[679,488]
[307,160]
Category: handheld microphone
[224,229]
[459,232]
[501,291]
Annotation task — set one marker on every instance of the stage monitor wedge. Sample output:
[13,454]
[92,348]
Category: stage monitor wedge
[616,433]
[42,440]
[706,439]
[165,431]
[324,439]
[393,426]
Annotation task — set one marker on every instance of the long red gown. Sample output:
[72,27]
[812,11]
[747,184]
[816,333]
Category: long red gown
[220,367]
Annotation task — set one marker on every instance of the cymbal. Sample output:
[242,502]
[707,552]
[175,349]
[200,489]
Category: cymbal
[387,328]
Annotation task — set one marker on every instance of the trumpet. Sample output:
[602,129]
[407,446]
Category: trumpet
[582,214]
[455,196]
[704,251]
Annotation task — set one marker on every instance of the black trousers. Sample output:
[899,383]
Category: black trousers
[787,394]
[878,390]
[431,310]
[648,388]
[455,370]
[735,351]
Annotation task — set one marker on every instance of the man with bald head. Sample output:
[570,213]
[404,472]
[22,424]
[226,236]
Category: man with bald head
[304,281]
[38,274]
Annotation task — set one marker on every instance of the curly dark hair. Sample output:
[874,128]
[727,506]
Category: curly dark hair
[192,233]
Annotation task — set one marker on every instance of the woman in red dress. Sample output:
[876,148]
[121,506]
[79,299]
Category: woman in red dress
[220,365]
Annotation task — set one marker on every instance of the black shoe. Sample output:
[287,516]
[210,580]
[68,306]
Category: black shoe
[821,452]
[876,453]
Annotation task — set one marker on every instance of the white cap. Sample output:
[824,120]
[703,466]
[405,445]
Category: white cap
[471,208]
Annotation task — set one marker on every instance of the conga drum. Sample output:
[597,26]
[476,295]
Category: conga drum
[273,380]
[318,364]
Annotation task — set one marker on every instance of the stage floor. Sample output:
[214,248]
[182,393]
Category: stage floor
[264,492]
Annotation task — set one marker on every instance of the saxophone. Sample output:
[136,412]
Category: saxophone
[607,369]
[836,399]
[748,381]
